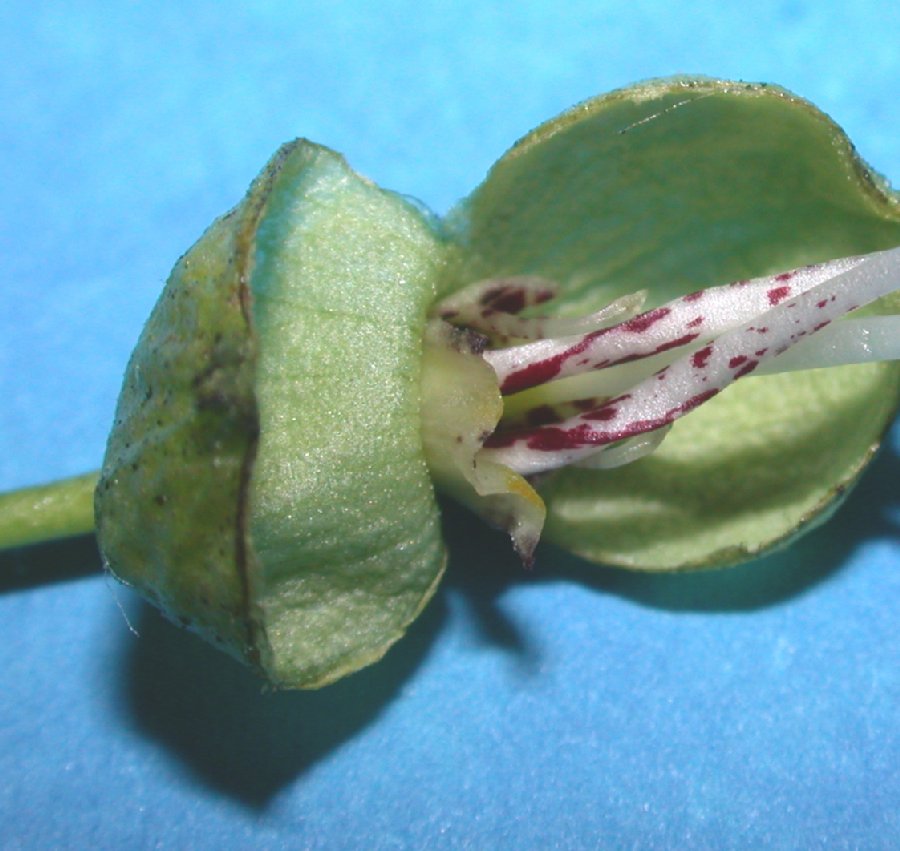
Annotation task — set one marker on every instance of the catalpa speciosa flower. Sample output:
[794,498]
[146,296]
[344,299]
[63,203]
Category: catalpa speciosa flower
[661,334]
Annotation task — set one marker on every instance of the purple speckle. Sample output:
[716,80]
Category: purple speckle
[701,356]
[641,323]
[777,295]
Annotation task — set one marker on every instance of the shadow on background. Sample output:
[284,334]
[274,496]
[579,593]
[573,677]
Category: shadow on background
[212,713]
[483,565]
[216,716]
[48,563]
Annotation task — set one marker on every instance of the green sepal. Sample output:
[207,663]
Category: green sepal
[169,504]
[265,482]
[672,186]
[343,517]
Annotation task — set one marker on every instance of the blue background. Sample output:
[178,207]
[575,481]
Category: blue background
[571,707]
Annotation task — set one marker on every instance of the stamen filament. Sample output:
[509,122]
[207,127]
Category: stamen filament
[872,338]
[837,288]
[694,318]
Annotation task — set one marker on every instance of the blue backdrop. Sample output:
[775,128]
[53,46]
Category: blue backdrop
[572,707]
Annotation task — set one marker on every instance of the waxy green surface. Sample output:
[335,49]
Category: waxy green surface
[266,480]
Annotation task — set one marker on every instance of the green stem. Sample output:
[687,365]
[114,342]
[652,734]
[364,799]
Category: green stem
[56,510]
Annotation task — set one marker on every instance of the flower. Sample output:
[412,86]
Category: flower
[328,352]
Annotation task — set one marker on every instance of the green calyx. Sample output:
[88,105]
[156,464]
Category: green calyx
[264,482]
[295,396]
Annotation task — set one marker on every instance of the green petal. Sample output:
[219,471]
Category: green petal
[671,186]
[265,480]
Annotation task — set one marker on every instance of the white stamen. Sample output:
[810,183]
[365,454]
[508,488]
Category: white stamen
[693,379]
[695,318]
[865,340]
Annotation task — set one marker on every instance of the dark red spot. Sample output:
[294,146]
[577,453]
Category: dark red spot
[554,439]
[822,303]
[542,415]
[489,296]
[695,296]
[821,325]
[784,276]
[604,414]
[674,344]
[626,359]
[543,371]
[737,360]
[585,404]
[701,356]
[746,369]
[777,295]
[608,410]
[510,301]
[695,322]
[646,320]
[763,330]
[532,375]
[689,405]
[760,352]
